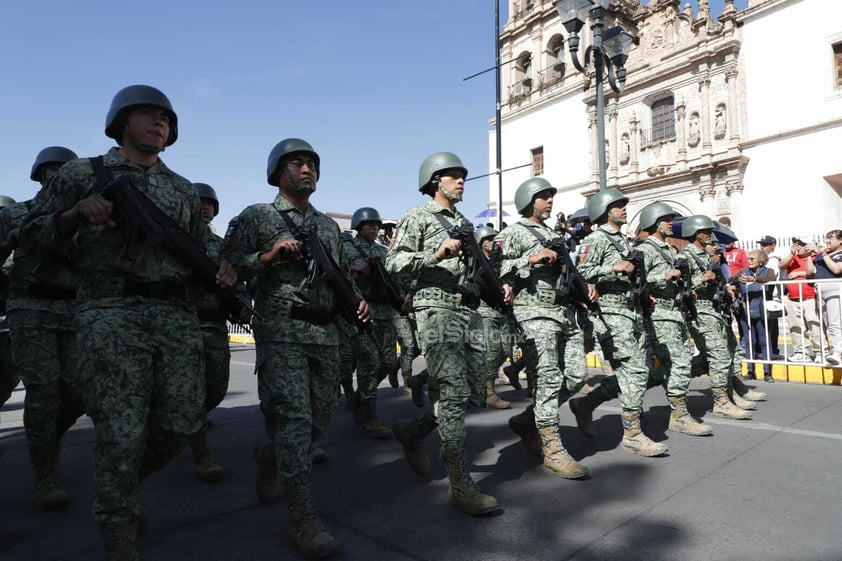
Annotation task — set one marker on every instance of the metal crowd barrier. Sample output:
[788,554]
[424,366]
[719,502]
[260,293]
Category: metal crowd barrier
[827,298]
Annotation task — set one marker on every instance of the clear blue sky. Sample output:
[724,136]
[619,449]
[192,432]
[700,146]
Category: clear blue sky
[374,85]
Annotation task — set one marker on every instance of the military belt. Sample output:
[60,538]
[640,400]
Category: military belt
[666,303]
[450,296]
[616,300]
[43,292]
[159,290]
[317,316]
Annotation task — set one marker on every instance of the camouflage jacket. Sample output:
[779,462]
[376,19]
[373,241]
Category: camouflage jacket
[597,258]
[658,258]
[705,291]
[101,282]
[255,231]
[355,252]
[419,233]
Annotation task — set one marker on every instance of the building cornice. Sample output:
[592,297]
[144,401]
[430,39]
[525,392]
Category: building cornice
[792,133]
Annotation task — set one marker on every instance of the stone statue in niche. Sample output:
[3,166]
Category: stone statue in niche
[607,154]
[693,135]
[719,126]
[625,149]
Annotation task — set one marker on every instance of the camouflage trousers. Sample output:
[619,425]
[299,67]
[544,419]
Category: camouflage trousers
[453,344]
[557,353]
[347,355]
[405,332]
[141,367]
[8,375]
[626,352]
[217,363]
[710,334]
[375,354]
[699,363]
[296,384]
[44,354]
[499,341]
[669,342]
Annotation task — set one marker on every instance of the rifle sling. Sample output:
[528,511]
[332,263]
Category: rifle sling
[103,174]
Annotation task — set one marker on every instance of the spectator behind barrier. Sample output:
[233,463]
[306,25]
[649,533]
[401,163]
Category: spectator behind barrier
[828,263]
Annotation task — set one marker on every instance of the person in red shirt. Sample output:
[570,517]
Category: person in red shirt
[736,258]
[801,311]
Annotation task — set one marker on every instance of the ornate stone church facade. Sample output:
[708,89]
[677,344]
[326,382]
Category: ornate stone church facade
[735,115]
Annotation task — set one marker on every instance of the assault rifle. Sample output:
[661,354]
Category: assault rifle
[685,299]
[570,286]
[639,290]
[384,284]
[145,225]
[480,272]
[723,302]
[323,270]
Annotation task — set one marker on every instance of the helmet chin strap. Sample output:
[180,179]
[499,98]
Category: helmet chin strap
[298,186]
[540,215]
[452,197]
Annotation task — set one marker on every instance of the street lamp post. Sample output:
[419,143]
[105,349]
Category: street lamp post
[609,51]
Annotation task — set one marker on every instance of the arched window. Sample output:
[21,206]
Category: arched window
[663,120]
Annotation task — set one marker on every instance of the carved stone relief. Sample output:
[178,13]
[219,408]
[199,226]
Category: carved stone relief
[720,127]
[625,149]
[693,134]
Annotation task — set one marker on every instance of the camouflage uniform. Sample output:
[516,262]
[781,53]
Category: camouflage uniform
[8,376]
[554,342]
[297,343]
[449,328]
[709,330]
[405,332]
[625,350]
[138,337]
[375,352]
[39,313]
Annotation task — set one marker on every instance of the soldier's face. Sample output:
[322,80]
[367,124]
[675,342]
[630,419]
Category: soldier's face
[617,213]
[207,210]
[147,128]
[665,225]
[299,173]
[368,230]
[452,183]
[543,205]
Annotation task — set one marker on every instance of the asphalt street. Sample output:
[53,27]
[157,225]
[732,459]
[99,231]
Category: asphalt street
[762,490]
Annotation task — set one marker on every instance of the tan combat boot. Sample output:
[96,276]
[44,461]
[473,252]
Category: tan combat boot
[635,441]
[204,466]
[743,404]
[307,533]
[464,494]
[493,400]
[556,458]
[269,488]
[723,407]
[583,408]
[412,441]
[523,424]
[682,421]
[119,545]
[743,391]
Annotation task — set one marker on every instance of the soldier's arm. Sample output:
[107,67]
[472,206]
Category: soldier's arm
[408,254]
[593,266]
[513,261]
[655,274]
[242,249]
[41,231]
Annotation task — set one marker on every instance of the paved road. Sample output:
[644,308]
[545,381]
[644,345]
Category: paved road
[764,490]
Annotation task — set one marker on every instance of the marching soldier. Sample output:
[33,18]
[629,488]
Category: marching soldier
[297,341]
[8,377]
[554,346]
[447,318]
[607,263]
[138,337]
[40,317]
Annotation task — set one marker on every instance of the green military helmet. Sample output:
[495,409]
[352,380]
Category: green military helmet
[282,150]
[433,165]
[6,201]
[483,233]
[205,191]
[365,214]
[652,212]
[50,155]
[132,96]
[692,224]
[599,203]
[525,194]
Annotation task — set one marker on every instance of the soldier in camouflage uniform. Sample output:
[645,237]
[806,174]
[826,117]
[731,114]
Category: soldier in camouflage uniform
[297,340]
[710,329]
[554,346]
[213,320]
[665,329]
[8,376]
[347,358]
[449,329]
[40,314]
[605,263]
[499,335]
[375,352]
[138,338]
